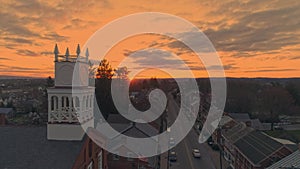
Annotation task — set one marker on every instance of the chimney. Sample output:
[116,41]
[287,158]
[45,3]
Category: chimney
[2,120]
[4,113]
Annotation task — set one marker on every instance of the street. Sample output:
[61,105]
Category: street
[185,159]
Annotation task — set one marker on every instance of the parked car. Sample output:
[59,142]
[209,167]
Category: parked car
[173,156]
[196,153]
[210,141]
[215,147]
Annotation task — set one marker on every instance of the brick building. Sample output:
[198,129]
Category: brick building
[4,114]
[257,150]
[139,130]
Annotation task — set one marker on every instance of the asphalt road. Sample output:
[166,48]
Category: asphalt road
[185,159]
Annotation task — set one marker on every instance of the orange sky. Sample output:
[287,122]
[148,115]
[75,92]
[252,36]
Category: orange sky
[253,38]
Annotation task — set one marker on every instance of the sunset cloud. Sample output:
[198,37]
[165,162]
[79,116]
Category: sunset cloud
[249,35]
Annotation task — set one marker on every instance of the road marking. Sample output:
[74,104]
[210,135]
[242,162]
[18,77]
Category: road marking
[188,154]
[184,141]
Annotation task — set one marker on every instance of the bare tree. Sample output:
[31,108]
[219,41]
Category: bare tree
[273,101]
[122,72]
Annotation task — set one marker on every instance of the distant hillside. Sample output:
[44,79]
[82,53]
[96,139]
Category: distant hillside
[19,77]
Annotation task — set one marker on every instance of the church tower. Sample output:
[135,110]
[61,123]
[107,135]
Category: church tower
[70,102]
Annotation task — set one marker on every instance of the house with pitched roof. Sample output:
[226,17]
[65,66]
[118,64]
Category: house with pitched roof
[292,161]
[230,136]
[257,150]
[137,130]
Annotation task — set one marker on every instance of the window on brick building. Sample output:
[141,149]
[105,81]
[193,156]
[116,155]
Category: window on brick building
[116,157]
[90,166]
[90,148]
[100,162]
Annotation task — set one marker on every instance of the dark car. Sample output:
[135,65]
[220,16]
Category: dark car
[210,141]
[173,156]
[215,147]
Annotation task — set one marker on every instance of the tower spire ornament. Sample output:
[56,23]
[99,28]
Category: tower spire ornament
[78,50]
[56,52]
[67,54]
[87,54]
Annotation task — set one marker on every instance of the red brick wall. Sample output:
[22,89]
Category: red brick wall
[88,153]
[2,120]
[125,163]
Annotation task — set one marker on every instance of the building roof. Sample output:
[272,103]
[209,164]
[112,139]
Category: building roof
[117,118]
[283,141]
[236,132]
[257,146]
[242,117]
[28,147]
[125,126]
[291,161]
[224,120]
[256,124]
[5,110]
[138,130]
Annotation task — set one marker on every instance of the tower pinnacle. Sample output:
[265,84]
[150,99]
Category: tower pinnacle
[67,54]
[78,50]
[87,54]
[56,52]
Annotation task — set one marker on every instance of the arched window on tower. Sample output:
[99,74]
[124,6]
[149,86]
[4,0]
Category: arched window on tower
[63,104]
[87,102]
[83,103]
[54,103]
[67,102]
[91,101]
[76,101]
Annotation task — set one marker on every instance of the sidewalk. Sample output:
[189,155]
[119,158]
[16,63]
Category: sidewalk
[215,155]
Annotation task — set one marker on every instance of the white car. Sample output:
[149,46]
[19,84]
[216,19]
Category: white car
[196,153]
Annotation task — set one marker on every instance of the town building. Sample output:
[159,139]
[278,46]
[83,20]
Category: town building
[229,137]
[257,150]
[138,130]
[292,161]
[4,114]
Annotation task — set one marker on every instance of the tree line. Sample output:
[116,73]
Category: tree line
[265,99]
